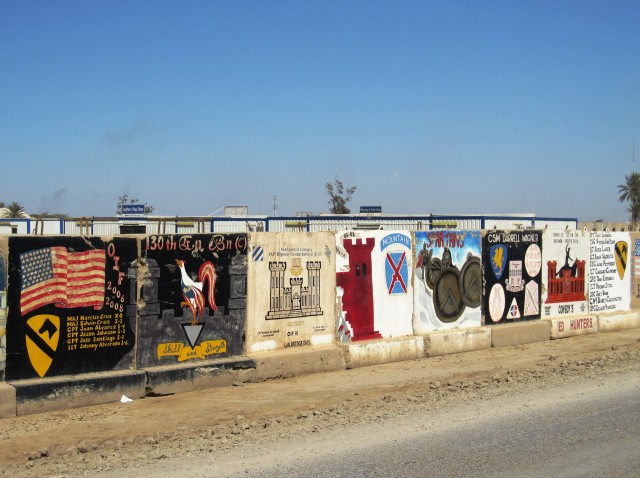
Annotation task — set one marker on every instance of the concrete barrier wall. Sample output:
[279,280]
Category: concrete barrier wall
[3,305]
[634,263]
[192,298]
[373,275]
[618,321]
[512,265]
[70,307]
[570,326]
[565,275]
[520,333]
[291,291]
[289,303]
[447,280]
[609,272]
[365,353]
[456,341]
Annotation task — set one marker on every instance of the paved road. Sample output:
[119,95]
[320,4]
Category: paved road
[559,408]
[586,429]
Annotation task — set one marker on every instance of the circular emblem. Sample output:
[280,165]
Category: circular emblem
[533,260]
[471,282]
[447,298]
[496,303]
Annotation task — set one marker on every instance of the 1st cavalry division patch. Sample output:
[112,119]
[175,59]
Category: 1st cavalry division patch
[42,336]
[621,257]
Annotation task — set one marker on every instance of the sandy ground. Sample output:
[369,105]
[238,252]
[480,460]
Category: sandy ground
[115,438]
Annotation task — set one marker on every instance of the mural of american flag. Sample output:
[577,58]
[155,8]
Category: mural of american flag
[53,275]
[636,259]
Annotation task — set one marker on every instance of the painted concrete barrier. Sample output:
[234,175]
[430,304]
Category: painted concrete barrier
[36,396]
[291,291]
[182,310]
[7,401]
[293,362]
[571,326]
[172,379]
[59,393]
[361,354]
[457,341]
[520,333]
[618,321]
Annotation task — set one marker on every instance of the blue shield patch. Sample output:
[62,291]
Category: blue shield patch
[498,258]
[396,272]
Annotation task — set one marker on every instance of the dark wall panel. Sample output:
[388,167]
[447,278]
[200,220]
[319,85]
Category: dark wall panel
[3,306]
[512,264]
[70,305]
[193,298]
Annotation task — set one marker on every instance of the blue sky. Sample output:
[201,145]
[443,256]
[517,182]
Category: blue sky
[426,107]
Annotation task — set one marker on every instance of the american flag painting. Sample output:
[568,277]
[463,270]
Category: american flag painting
[636,259]
[53,275]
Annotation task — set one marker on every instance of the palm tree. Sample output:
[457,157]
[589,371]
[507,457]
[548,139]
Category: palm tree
[13,210]
[630,192]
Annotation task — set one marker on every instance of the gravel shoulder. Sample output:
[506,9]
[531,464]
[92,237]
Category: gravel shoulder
[117,439]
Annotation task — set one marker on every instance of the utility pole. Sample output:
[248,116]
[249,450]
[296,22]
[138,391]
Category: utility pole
[275,206]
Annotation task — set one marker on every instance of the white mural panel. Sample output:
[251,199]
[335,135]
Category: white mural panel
[565,260]
[447,280]
[375,295]
[610,272]
[291,296]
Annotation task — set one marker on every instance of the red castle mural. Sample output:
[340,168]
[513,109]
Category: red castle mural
[358,289]
[567,285]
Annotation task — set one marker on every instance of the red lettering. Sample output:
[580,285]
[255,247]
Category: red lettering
[197,246]
[218,243]
[241,243]
[579,324]
[152,243]
[445,239]
[161,243]
[185,243]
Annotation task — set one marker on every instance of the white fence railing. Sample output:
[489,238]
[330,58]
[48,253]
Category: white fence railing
[227,225]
